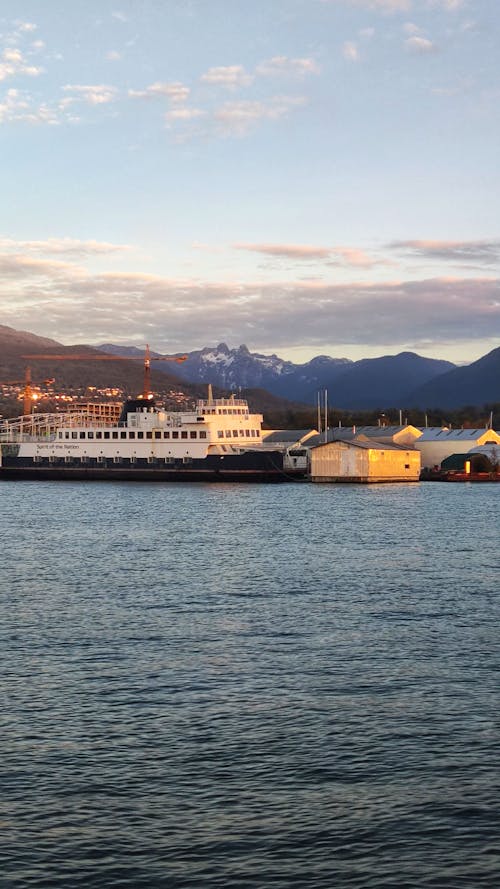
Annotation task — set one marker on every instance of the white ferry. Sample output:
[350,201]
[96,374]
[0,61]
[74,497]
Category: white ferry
[219,440]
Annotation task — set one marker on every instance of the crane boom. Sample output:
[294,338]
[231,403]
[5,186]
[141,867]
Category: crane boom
[146,393]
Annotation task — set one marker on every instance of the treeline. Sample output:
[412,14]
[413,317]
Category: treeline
[469,416]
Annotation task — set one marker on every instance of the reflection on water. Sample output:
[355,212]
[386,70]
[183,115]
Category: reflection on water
[262,686]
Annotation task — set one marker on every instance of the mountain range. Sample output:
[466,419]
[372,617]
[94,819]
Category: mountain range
[404,380]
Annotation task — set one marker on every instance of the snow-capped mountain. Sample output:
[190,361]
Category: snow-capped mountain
[242,369]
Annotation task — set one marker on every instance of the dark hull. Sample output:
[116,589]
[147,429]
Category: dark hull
[251,466]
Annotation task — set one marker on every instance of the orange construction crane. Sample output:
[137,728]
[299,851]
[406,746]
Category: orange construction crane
[146,392]
[28,395]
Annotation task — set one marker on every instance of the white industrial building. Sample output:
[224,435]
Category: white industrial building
[436,444]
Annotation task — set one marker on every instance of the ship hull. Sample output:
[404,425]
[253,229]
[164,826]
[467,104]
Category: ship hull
[250,466]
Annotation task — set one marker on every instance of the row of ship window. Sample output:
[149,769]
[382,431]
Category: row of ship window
[229,410]
[237,433]
[131,434]
[166,434]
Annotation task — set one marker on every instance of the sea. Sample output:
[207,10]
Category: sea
[249,686]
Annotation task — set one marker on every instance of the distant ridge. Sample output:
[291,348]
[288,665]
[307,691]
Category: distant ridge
[363,385]
[475,384]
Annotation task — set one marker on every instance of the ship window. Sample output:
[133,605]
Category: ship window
[184,434]
[59,434]
[203,434]
[225,411]
[228,433]
[90,434]
[149,435]
[242,433]
[220,433]
[66,435]
[82,434]
[140,434]
[247,433]
[114,433]
[131,435]
[98,434]
[123,434]
[192,434]
[175,434]
[106,434]
[166,435]
[235,433]
[157,434]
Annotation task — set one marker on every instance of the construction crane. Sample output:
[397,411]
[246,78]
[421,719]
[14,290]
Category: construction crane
[28,394]
[146,391]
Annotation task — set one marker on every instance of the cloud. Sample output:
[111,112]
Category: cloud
[350,51]
[386,6]
[91,94]
[447,5]
[68,303]
[113,55]
[184,114]
[484,251]
[175,92]
[411,28]
[63,246]
[230,76]
[19,106]
[420,45]
[237,118]
[282,65]
[346,255]
[28,27]
[14,64]
[287,251]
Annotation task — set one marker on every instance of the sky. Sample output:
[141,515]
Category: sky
[304,177]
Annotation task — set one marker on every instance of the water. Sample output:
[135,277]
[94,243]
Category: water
[262,686]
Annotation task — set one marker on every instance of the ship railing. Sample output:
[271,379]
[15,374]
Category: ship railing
[45,425]
[221,402]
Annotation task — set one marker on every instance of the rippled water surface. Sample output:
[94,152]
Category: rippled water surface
[263,686]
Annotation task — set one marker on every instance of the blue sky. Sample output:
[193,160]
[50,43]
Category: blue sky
[302,176]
